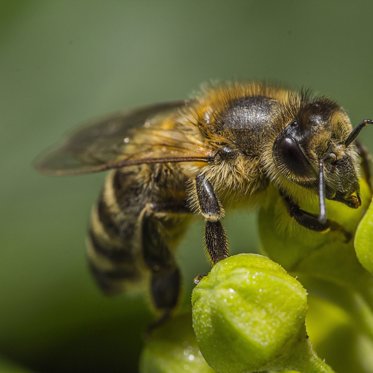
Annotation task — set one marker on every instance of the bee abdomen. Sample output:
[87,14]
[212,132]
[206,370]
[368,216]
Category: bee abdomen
[111,265]
[106,218]
[111,281]
[134,229]
[109,250]
[112,252]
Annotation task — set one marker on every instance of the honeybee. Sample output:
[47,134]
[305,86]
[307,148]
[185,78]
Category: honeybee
[174,161]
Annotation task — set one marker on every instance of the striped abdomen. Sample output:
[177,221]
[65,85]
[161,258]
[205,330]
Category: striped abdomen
[135,226]
[113,242]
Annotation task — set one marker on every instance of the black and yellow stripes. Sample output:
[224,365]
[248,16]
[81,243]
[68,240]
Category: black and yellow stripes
[112,247]
[133,232]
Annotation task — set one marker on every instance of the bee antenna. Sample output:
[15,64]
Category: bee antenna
[322,207]
[355,132]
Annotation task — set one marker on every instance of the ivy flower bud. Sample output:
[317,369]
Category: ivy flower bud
[364,240]
[249,316]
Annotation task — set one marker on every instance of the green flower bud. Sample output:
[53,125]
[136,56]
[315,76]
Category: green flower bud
[364,240]
[249,316]
[290,244]
[173,348]
[321,255]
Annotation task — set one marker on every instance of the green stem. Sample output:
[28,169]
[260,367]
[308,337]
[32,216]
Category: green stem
[309,362]
[316,365]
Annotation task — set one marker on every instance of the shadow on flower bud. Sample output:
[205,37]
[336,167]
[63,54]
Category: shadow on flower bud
[249,316]
[173,348]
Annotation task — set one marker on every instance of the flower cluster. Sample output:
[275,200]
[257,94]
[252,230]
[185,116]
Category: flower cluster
[252,313]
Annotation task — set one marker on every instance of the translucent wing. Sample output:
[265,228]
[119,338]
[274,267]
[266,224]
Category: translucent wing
[98,146]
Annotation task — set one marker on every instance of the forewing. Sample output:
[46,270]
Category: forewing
[96,146]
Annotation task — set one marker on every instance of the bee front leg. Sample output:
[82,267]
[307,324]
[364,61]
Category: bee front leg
[311,221]
[210,209]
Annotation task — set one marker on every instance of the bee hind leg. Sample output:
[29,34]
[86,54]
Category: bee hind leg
[165,293]
[160,225]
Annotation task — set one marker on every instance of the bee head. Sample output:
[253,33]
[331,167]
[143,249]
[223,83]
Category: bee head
[315,150]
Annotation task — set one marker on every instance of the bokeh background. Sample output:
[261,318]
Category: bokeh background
[65,61]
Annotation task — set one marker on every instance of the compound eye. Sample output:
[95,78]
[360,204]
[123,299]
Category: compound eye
[292,156]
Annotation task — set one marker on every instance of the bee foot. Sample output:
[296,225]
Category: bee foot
[198,278]
[157,323]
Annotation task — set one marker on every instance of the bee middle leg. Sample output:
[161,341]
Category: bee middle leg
[311,221]
[209,206]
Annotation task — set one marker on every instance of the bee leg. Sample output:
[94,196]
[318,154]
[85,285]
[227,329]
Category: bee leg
[311,221]
[165,280]
[365,163]
[210,209]
[157,323]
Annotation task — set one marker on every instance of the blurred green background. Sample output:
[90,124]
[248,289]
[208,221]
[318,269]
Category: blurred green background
[63,62]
